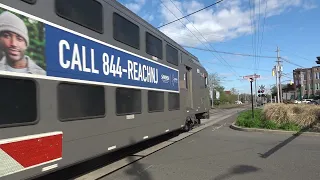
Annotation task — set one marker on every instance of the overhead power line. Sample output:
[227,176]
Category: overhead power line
[191,13]
[291,62]
[264,21]
[294,54]
[238,67]
[194,34]
[236,54]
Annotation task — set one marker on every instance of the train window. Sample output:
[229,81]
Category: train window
[88,13]
[206,82]
[172,55]
[128,101]
[174,101]
[80,101]
[30,1]
[155,101]
[18,101]
[187,80]
[153,45]
[125,31]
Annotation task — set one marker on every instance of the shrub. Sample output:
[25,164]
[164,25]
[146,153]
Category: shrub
[301,114]
[267,124]
[290,127]
[245,119]
[261,119]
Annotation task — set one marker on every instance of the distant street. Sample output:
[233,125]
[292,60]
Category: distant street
[220,153]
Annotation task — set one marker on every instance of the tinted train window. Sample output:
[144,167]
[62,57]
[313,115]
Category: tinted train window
[88,13]
[125,31]
[128,101]
[153,45]
[187,80]
[172,55]
[18,102]
[79,101]
[205,82]
[174,101]
[155,101]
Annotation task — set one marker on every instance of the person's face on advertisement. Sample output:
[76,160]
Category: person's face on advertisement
[13,45]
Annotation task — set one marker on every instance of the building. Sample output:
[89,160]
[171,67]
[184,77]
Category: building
[309,79]
[228,92]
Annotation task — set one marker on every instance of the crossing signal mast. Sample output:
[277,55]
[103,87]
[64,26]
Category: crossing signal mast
[261,93]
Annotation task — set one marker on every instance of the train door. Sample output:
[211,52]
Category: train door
[188,80]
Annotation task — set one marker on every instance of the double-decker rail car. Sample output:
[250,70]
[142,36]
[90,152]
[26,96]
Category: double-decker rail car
[81,78]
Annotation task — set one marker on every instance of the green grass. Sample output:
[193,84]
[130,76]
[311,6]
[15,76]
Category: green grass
[245,120]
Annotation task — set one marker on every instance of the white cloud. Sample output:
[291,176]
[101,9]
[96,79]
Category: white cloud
[226,74]
[228,20]
[266,78]
[136,5]
[148,17]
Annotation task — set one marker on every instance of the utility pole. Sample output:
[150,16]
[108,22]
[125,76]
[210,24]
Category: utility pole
[238,96]
[277,85]
[279,69]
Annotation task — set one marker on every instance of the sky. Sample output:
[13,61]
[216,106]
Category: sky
[255,27]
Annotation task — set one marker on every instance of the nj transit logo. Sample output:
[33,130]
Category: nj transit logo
[165,78]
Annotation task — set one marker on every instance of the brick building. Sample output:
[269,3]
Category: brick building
[309,79]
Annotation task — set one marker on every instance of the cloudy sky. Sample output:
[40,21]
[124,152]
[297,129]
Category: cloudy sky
[240,26]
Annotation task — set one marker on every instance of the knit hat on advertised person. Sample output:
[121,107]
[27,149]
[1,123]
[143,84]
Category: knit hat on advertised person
[11,22]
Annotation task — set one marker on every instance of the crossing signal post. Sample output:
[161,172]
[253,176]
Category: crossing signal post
[251,80]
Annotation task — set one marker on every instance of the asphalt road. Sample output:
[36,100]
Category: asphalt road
[220,153]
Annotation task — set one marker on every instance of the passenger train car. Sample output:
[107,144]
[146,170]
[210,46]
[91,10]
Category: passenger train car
[81,78]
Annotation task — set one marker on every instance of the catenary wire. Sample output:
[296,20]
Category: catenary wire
[231,53]
[202,37]
[193,33]
[191,13]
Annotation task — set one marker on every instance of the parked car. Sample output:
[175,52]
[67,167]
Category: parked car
[313,102]
[307,100]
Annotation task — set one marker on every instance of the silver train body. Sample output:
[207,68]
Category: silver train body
[111,124]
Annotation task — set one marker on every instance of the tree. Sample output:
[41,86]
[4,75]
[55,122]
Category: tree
[214,82]
[233,91]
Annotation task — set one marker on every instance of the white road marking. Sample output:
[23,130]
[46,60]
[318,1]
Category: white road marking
[145,169]
[216,128]
[146,137]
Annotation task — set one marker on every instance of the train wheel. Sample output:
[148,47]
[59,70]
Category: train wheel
[199,121]
[187,126]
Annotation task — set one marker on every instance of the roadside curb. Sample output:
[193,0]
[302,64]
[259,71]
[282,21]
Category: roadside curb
[238,128]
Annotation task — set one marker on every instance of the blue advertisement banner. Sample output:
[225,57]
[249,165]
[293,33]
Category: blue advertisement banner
[71,56]
[35,46]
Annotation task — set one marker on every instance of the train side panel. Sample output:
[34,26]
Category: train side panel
[90,137]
